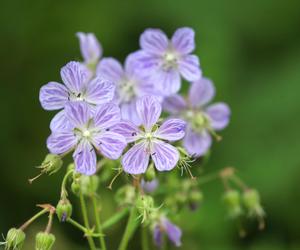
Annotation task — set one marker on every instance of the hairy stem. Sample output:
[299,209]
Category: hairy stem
[115,218]
[144,236]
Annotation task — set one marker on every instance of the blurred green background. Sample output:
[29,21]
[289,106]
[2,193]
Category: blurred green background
[251,49]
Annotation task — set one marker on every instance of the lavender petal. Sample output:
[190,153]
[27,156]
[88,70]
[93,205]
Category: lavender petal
[189,67]
[183,40]
[174,233]
[201,92]
[53,96]
[127,129]
[90,47]
[129,112]
[154,41]
[174,104]
[107,116]
[60,122]
[60,142]
[219,115]
[78,113]
[167,82]
[110,69]
[171,130]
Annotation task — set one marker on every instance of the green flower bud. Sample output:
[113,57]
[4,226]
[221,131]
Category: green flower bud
[14,239]
[89,184]
[180,197]
[51,164]
[150,173]
[75,187]
[44,241]
[71,166]
[145,206]
[195,196]
[125,195]
[251,201]
[232,200]
[64,210]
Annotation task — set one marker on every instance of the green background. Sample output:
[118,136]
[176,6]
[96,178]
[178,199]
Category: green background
[251,49]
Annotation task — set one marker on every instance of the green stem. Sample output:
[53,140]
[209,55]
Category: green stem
[86,221]
[114,219]
[77,225]
[129,230]
[32,219]
[64,182]
[145,241]
[98,223]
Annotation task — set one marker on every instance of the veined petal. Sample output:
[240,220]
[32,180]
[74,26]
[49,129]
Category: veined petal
[158,236]
[197,144]
[154,41]
[171,130]
[110,69]
[110,144]
[127,129]
[219,115]
[174,232]
[107,116]
[85,158]
[136,159]
[164,155]
[74,76]
[183,40]
[167,82]
[146,62]
[189,67]
[129,112]
[149,110]
[60,122]
[53,96]
[90,47]
[100,91]
[201,92]
[174,104]
[60,142]
[78,113]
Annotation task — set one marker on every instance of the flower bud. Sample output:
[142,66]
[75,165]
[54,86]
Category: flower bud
[14,239]
[251,201]
[51,164]
[75,187]
[89,184]
[150,173]
[233,202]
[145,206]
[125,195]
[44,241]
[195,198]
[64,210]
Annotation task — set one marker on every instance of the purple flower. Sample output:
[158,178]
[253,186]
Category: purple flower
[88,133]
[164,226]
[165,60]
[129,85]
[151,140]
[149,186]
[77,87]
[202,119]
[90,47]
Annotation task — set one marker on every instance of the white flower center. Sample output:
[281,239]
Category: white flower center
[170,60]
[127,90]
[86,133]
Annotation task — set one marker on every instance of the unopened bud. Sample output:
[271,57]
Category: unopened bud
[44,241]
[195,198]
[125,195]
[64,210]
[145,206]
[51,164]
[150,173]
[14,239]
[232,200]
[75,187]
[251,201]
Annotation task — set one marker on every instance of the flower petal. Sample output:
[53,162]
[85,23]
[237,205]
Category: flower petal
[219,115]
[189,67]
[164,155]
[60,122]
[78,113]
[85,158]
[100,91]
[149,186]
[146,62]
[129,112]
[107,116]
[157,236]
[174,232]
[167,82]
[127,129]
[110,69]
[90,47]
[197,144]
[154,41]
[74,76]
[110,144]
[201,92]
[183,40]
[53,96]
[60,142]
[149,110]
[174,104]
[171,130]
[136,159]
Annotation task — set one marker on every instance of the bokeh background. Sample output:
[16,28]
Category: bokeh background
[251,50]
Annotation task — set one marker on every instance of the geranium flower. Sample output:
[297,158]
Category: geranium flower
[130,85]
[88,133]
[150,140]
[166,60]
[202,119]
[77,87]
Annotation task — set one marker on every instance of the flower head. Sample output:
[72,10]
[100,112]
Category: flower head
[166,60]
[202,119]
[164,226]
[88,133]
[77,87]
[150,140]
[130,85]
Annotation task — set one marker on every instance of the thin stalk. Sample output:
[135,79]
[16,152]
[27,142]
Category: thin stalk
[145,240]
[86,221]
[98,222]
[49,224]
[129,230]
[64,182]
[33,218]
[114,219]
[77,225]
